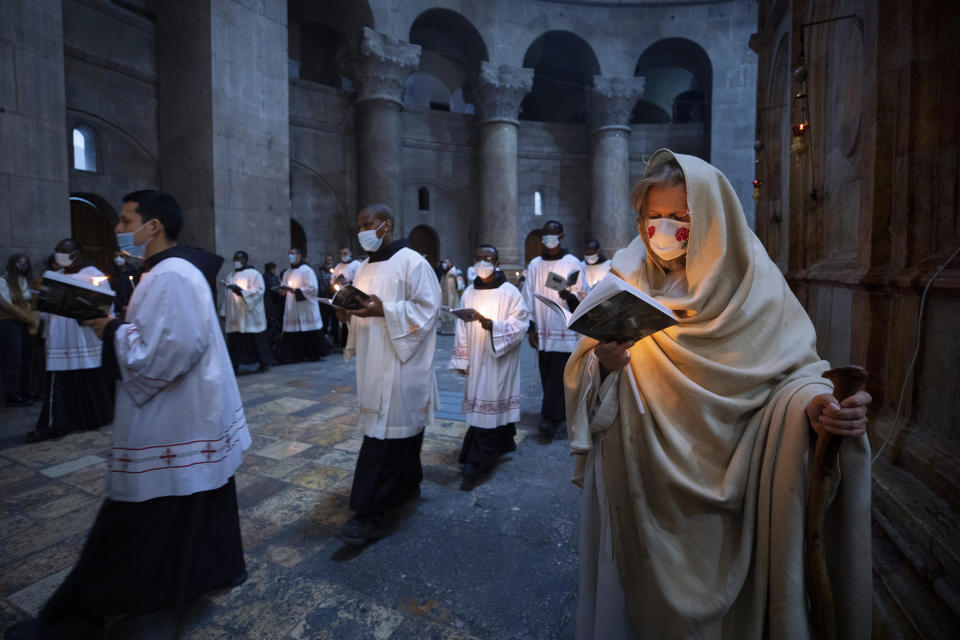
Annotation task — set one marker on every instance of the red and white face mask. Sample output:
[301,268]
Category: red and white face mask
[668,237]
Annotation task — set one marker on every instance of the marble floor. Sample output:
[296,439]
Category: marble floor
[497,561]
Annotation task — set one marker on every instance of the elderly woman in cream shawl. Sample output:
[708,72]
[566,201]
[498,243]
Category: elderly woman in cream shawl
[692,445]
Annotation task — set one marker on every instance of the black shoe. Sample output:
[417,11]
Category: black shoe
[547,428]
[561,432]
[359,531]
[14,399]
[40,436]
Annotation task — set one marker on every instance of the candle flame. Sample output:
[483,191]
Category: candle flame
[336,287]
[97,280]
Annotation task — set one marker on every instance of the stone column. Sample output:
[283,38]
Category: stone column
[385,64]
[609,105]
[34,186]
[224,123]
[499,92]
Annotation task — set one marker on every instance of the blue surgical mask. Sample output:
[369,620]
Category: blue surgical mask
[126,244]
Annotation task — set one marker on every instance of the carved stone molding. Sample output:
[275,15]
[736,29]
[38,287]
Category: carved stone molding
[499,92]
[385,64]
[610,102]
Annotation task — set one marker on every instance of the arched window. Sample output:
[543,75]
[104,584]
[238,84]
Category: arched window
[84,149]
[423,196]
[537,204]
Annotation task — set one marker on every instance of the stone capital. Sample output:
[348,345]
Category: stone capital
[384,66]
[610,102]
[499,92]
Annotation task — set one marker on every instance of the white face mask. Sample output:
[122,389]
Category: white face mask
[592,259]
[484,269]
[63,259]
[237,265]
[345,257]
[668,238]
[369,240]
[292,257]
[551,242]
[119,261]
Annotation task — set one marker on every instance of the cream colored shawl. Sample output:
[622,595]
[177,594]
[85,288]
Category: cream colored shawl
[707,487]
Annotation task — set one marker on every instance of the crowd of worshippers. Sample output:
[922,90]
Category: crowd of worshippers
[690,445]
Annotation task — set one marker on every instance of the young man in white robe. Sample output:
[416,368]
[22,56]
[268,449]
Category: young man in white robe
[245,320]
[694,446]
[343,273]
[486,351]
[302,324]
[548,332]
[393,338]
[595,264]
[77,394]
[168,530]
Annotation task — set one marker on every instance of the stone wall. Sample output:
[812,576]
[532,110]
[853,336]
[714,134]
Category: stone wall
[861,223]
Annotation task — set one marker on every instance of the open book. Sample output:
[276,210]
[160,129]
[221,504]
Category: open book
[557,282]
[467,315]
[62,295]
[347,297]
[615,311]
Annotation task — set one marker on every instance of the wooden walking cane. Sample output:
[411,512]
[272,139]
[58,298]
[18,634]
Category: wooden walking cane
[846,382]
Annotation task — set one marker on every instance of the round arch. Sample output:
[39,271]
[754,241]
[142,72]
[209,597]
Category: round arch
[451,52]
[532,245]
[678,83]
[563,67]
[424,240]
[92,221]
[298,237]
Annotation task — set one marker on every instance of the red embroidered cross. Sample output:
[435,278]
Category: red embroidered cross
[125,462]
[168,456]
[209,451]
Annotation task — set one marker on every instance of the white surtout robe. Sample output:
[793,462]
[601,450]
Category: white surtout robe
[70,346]
[396,384]
[695,480]
[179,426]
[491,396]
[244,314]
[594,272]
[303,315]
[346,269]
[551,329]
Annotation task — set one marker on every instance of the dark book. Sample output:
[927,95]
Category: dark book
[347,297]
[615,311]
[62,295]
[557,282]
[467,315]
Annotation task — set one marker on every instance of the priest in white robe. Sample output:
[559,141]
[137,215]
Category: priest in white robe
[548,332]
[693,445]
[169,529]
[451,286]
[302,324]
[77,395]
[486,351]
[595,264]
[393,338]
[343,273]
[245,320]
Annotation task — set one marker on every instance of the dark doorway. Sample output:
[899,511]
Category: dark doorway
[298,237]
[424,240]
[532,246]
[91,224]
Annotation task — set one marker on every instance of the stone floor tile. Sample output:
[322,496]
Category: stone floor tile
[70,466]
[280,406]
[337,458]
[330,434]
[22,573]
[352,445]
[286,506]
[49,501]
[317,476]
[251,488]
[91,479]
[14,473]
[270,468]
[283,449]
[40,455]
[31,599]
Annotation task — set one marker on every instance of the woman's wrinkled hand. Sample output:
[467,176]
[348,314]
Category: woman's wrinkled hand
[846,419]
[613,356]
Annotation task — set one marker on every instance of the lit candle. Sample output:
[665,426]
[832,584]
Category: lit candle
[96,280]
[132,283]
